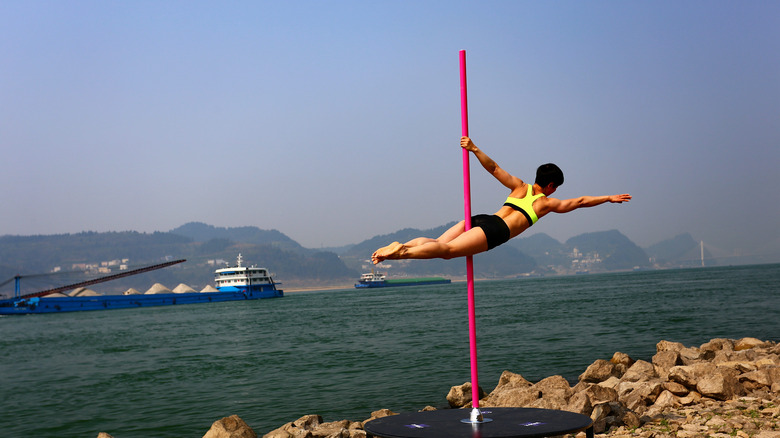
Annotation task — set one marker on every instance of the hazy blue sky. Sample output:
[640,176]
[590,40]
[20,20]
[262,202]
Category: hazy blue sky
[334,121]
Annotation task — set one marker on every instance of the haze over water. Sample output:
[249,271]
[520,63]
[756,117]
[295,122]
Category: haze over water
[172,371]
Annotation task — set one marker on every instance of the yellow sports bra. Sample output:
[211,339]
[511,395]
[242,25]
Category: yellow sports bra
[525,205]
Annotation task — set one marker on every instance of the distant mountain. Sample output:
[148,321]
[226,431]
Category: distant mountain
[614,249]
[204,247]
[681,250]
[30,254]
[546,251]
[201,232]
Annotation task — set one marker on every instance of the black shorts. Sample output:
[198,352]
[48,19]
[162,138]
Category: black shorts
[496,230]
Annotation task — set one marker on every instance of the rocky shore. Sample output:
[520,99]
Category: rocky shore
[723,388]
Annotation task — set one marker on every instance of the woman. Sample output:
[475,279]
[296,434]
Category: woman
[526,204]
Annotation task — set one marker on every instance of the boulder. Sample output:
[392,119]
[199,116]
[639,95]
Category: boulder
[312,426]
[689,375]
[622,362]
[668,346]
[555,393]
[718,344]
[721,385]
[599,371]
[691,398]
[663,361]
[510,380]
[308,422]
[749,343]
[230,427]
[511,397]
[600,394]
[612,382]
[640,371]
[690,355]
[460,396]
[676,388]
[755,380]
[599,417]
[666,399]
[380,414]
[721,388]
[335,429]
[768,361]
[512,390]
[580,403]
[643,394]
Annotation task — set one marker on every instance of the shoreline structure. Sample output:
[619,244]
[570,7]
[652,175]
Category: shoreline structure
[723,388]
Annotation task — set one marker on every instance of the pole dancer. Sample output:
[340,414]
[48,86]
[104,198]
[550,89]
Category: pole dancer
[524,206]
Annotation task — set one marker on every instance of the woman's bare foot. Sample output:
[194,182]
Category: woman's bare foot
[388,252]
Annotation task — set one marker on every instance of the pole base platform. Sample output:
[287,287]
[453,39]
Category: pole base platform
[504,423]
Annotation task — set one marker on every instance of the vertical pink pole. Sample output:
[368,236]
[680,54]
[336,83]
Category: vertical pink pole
[464,118]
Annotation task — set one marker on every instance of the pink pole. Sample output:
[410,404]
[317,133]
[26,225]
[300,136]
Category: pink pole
[464,118]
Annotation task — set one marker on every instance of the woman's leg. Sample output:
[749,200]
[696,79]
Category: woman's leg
[396,248]
[466,243]
[454,231]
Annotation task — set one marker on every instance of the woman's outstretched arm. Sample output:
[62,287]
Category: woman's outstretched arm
[509,181]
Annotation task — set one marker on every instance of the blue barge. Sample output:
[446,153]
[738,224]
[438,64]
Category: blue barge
[233,284]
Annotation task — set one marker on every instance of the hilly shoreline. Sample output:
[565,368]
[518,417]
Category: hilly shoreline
[298,269]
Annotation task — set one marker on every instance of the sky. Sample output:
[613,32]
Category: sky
[337,121]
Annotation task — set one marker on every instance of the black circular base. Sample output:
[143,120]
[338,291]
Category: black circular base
[506,423]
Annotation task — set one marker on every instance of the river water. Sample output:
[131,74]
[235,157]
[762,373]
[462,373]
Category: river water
[172,371]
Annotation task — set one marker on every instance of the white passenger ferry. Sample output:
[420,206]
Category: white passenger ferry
[246,279]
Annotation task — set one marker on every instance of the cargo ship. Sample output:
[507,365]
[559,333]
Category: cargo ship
[372,280]
[232,284]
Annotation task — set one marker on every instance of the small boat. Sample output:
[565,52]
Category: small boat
[371,279]
[233,284]
[374,279]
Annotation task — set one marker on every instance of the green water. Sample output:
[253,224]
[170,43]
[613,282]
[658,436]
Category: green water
[172,371]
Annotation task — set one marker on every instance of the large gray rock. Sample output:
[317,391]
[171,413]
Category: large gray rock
[663,361]
[721,385]
[623,394]
[600,394]
[622,362]
[512,390]
[230,427]
[749,343]
[599,371]
[718,344]
[640,371]
[689,375]
[668,346]
[460,396]
[555,393]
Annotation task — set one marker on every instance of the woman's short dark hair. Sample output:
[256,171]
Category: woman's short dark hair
[549,173]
